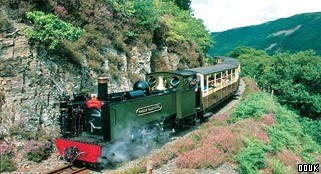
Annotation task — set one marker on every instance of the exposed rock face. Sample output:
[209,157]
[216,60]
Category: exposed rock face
[30,95]
[31,81]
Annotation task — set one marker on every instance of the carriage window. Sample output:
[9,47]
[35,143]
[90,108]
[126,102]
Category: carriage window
[205,85]
[211,82]
[218,78]
[233,72]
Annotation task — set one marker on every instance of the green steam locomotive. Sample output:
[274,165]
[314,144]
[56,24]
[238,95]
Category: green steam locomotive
[90,127]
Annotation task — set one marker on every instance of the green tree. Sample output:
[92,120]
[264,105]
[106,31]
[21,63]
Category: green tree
[183,4]
[294,78]
[252,60]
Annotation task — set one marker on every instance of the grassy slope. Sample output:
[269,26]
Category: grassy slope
[271,142]
[306,37]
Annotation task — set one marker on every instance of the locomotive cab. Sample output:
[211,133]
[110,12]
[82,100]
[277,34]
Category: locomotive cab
[93,116]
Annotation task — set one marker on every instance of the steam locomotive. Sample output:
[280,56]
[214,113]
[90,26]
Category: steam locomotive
[91,126]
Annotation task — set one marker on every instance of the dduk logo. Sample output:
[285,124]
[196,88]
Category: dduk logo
[308,167]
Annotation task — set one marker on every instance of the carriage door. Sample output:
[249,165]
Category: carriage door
[198,92]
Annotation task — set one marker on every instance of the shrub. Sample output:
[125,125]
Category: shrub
[207,156]
[37,152]
[312,128]
[50,30]
[161,158]
[183,146]
[252,158]
[139,168]
[4,147]
[279,168]
[95,65]
[251,128]
[6,157]
[287,133]
[292,77]
[7,164]
[268,119]
[71,51]
[255,105]
[18,129]
[289,159]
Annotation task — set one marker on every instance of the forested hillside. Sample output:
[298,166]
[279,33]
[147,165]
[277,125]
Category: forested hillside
[296,33]
[293,78]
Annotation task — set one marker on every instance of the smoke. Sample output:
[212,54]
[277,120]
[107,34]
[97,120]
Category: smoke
[139,142]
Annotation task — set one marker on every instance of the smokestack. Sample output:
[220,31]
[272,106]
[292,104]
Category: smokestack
[102,88]
[105,117]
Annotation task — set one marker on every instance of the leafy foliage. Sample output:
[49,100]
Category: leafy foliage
[312,128]
[252,158]
[6,157]
[294,78]
[50,30]
[7,164]
[183,4]
[255,105]
[278,167]
[287,133]
[37,152]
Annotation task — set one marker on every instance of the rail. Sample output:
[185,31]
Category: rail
[68,168]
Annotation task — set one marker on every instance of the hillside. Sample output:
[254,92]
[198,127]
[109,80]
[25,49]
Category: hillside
[48,48]
[258,135]
[296,33]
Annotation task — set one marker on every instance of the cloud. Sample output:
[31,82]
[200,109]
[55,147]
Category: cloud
[220,15]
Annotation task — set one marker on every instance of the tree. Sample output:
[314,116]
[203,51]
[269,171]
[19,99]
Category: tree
[183,4]
[295,78]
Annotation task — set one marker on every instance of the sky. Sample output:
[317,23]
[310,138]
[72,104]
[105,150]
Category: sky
[221,15]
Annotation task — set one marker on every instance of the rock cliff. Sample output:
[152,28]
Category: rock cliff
[32,80]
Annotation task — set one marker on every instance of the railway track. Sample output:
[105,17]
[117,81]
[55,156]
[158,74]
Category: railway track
[68,169]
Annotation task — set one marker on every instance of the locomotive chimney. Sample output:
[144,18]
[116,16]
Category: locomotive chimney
[102,88]
[105,117]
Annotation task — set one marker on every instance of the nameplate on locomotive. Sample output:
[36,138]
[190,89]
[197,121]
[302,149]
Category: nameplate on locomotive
[149,109]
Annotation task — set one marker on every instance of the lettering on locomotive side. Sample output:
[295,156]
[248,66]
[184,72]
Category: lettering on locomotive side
[149,109]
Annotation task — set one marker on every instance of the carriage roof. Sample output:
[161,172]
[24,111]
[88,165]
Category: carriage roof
[228,63]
